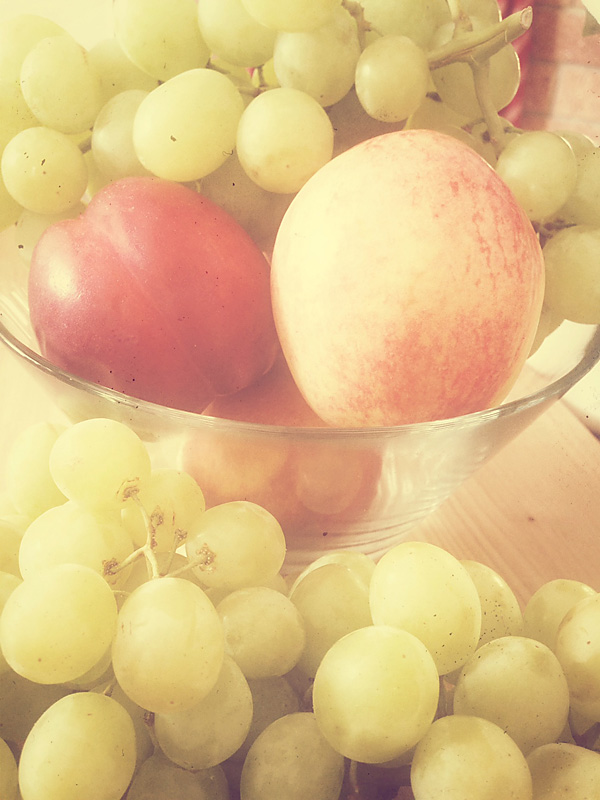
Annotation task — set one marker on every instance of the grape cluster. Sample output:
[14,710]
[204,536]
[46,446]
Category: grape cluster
[245,99]
[153,649]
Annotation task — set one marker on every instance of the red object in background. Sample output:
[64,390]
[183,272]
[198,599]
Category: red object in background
[522,45]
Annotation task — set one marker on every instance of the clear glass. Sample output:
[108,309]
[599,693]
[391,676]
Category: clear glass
[330,488]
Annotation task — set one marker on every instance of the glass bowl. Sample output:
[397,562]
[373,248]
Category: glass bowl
[330,488]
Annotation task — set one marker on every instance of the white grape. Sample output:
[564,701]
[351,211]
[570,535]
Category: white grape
[548,605]
[232,33]
[572,261]
[291,15]
[500,610]
[284,136]
[186,128]
[18,35]
[112,137]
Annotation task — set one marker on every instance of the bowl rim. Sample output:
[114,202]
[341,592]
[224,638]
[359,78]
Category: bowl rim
[553,390]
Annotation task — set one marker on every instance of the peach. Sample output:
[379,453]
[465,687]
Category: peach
[406,283]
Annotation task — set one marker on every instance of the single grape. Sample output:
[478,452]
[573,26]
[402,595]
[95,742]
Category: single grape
[359,563]
[333,600]
[209,732]
[463,756]
[99,463]
[454,82]
[58,625]
[547,606]
[116,71]
[112,136]
[291,15]
[291,760]
[272,698]
[519,684]
[375,693]
[169,645]
[18,35]
[44,170]
[392,78]
[236,544]
[158,778]
[578,651]
[264,631]
[572,260]
[500,610]
[81,748]
[161,37]
[321,62]
[57,69]
[423,589]
[232,33]
[186,128]
[284,136]
[70,533]
[417,19]
[564,770]
[172,501]
[583,205]
[541,170]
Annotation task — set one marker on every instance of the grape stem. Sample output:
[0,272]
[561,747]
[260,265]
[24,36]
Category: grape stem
[493,121]
[479,46]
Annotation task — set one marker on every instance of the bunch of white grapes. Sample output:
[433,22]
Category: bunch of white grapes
[244,100]
[153,649]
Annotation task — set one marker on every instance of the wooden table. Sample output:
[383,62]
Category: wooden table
[532,512]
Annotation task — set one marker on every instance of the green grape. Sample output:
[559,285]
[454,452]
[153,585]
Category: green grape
[70,533]
[55,70]
[425,590]
[284,136]
[158,778]
[321,62]
[264,631]
[230,31]
[547,607]
[375,693]
[44,170]
[83,746]
[116,71]
[186,128]
[540,168]
[272,698]
[572,260]
[500,610]
[58,625]
[454,82]
[578,650]
[561,770]
[8,583]
[583,205]
[28,476]
[9,781]
[212,730]
[579,142]
[112,137]
[99,463]
[169,645]
[236,544]
[468,757]
[359,563]
[10,543]
[416,19]
[18,35]
[258,211]
[161,37]
[333,600]
[291,15]
[392,78]
[172,501]
[519,684]
[291,760]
